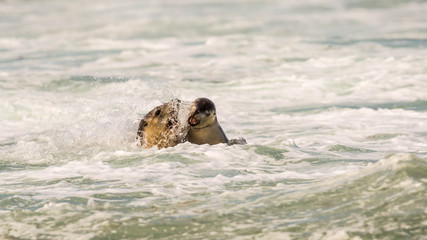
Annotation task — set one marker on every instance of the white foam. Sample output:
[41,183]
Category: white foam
[319,106]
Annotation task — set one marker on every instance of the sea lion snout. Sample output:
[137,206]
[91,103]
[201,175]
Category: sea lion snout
[193,121]
[142,125]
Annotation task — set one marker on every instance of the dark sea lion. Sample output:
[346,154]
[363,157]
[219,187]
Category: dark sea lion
[163,126]
[204,126]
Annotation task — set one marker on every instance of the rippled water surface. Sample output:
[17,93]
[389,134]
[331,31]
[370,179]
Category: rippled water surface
[331,97]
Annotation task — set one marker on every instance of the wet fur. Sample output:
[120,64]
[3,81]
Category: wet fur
[205,128]
[161,126]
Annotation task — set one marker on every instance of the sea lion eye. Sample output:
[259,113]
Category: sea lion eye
[145,124]
[158,112]
[196,112]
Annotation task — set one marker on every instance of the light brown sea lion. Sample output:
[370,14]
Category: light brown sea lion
[164,126]
[204,126]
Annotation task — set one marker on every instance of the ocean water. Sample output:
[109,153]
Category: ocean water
[331,96]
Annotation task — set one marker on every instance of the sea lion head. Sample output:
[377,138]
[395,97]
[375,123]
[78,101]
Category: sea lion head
[159,126]
[202,113]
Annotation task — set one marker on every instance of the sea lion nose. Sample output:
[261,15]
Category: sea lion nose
[143,123]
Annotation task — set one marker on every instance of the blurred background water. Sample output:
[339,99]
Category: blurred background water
[330,95]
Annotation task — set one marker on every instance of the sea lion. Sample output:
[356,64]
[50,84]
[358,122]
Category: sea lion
[204,126]
[176,122]
[164,126]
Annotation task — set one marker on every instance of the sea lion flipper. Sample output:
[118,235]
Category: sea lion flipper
[240,141]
